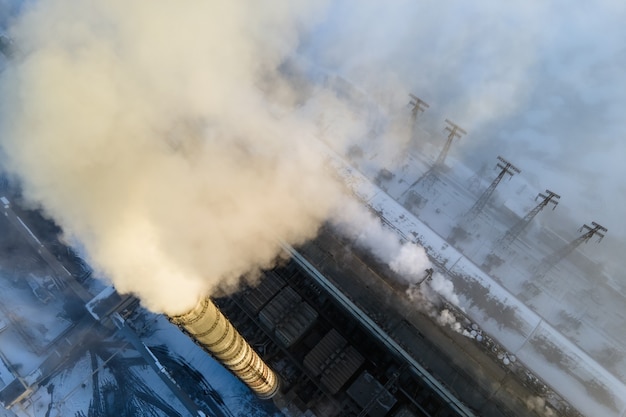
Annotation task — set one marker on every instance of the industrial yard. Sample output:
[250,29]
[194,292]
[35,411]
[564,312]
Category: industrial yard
[312,209]
[345,334]
[63,355]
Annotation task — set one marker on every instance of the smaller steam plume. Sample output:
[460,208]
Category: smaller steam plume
[406,259]
[540,406]
[428,297]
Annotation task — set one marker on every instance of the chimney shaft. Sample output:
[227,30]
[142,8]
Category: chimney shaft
[206,324]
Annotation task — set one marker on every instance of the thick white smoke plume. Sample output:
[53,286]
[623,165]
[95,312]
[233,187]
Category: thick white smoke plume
[158,134]
[174,143]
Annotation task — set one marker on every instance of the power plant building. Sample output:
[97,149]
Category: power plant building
[371,395]
[256,298]
[288,316]
[334,361]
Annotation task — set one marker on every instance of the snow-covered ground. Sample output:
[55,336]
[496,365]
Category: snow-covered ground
[543,349]
[236,396]
[117,373]
[75,366]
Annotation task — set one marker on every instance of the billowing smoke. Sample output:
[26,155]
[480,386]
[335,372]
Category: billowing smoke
[428,296]
[408,260]
[444,287]
[366,231]
[161,136]
[540,406]
[176,142]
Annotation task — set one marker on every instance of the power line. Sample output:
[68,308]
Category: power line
[417,106]
[455,131]
[430,177]
[554,258]
[505,168]
[512,234]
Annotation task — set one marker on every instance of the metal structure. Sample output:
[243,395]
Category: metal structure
[417,106]
[384,389]
[551,260]
[334,361]
[430,177]
[505,168]
[456,406]
[455,132]
[288,316]
[428,276]
[211,329]
[512,234]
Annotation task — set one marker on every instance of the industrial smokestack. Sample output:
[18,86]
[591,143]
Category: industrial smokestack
[206,324]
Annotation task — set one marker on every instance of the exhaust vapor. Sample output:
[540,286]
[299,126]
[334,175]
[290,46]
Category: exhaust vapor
[175,142]
[159,136]
[406,259]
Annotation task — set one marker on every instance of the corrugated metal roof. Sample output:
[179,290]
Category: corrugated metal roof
[288,315]
[324,352]
[295,325]
[256,298]
[281,305]
[333,360]
[346,364]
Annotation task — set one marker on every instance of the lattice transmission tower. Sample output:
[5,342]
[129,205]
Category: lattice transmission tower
[554,258]
[505,168]
[430,176]
[512,234]
[417,106]
[455,132]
